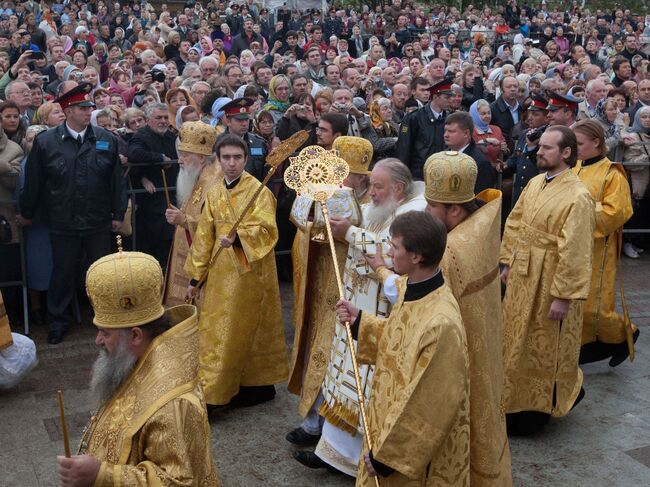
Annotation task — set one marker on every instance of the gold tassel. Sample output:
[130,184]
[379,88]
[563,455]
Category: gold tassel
[340,416]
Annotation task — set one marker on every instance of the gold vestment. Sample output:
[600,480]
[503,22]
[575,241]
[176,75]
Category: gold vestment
[315,294]
[607,183]
[242,339]
[154,431]
[470,266]
[548,244]
[176,279]
[419,407]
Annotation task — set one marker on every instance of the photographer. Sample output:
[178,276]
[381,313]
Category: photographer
[299,116]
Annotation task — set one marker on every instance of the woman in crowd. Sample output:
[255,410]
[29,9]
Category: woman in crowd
[10,120]
[176,98]
[278,97]
[264,127]
[49,114]
[613,122]
[488,137]
[173,43]
[38,249]
[381,116]
[636,142]
[472,84]
[300,116]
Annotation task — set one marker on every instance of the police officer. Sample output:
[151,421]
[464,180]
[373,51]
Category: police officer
[422,131]
[73,173]
[523,162]
[238,119]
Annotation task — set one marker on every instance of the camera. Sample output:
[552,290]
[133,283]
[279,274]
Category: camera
[158,75]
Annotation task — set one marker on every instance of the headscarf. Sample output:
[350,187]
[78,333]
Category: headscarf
[67,44]
[179,116]
[502,55]
[398,61]
[609,127]
[68,70]
[478,123]
[209,41]
[217,110]
[274,103]
[637,126]
[93,117]
[376,118]
[519,39]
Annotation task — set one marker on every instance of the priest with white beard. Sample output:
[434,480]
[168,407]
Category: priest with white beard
[196,176]
[393,192]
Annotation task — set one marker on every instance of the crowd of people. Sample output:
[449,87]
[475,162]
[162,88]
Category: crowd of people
[155,124]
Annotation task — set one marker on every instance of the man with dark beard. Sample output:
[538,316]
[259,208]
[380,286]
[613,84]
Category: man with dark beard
[196,176]
[151,427]
[393,192]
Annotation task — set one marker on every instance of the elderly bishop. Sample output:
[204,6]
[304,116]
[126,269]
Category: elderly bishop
[151,427]
[315,287]
[393,192]
[197,175]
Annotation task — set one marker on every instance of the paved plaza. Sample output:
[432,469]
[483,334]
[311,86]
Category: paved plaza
[605,441]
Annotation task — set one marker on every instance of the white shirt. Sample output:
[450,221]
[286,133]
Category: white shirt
[75,134]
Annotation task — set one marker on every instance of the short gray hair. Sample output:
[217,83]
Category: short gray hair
[151,107]
[399,174]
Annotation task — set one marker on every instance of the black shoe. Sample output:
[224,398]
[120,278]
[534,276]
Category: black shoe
[301,438]
[581,396]
[252,396]
[622,352]
[54,337]
[309,459]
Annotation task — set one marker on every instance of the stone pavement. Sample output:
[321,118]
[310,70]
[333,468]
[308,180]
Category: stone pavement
[605,441]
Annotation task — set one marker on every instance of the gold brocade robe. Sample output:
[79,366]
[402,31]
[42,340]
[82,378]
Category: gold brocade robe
[471,268]
[155,431]
[241,332]
[314,315]
[315,293]
[607,183]
[176,279]
[419,407]
[548,244]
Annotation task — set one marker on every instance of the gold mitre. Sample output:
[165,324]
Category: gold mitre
[450,177]
[356,151]
[125,290]
[197,137]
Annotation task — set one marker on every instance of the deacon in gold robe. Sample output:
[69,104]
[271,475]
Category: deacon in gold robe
[604,331]
[151,426]
[393,193]
[547,254]
[419,411]
[197,175]
[315,287]
[242,345]
[470,268]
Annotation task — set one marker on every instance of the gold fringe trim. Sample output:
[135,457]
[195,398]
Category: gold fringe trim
[340,416]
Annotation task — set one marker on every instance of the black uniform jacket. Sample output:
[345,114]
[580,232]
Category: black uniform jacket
[420,135]
[79,187]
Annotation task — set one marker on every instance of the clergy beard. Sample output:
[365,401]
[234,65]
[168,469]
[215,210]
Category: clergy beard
[110,370]
[187,178]
[380,215]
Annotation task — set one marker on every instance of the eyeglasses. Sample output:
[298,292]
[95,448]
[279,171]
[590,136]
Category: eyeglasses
[21,92]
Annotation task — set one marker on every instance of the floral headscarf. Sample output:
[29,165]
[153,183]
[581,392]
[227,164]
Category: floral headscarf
[274,103]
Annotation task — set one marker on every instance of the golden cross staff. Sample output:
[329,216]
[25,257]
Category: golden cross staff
[317,173]
[276,157]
